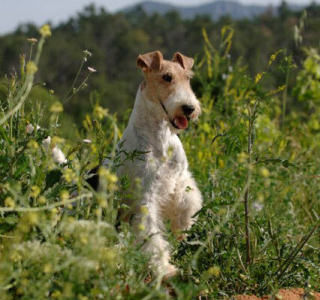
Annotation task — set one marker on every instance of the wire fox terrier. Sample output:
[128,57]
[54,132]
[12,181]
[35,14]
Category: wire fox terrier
[163,107]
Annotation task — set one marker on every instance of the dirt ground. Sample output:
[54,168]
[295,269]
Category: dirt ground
[291,294]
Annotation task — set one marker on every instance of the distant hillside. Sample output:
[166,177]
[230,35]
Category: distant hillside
[215,9]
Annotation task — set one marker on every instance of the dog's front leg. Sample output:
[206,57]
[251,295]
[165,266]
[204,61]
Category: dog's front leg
[148,225]
[187,202]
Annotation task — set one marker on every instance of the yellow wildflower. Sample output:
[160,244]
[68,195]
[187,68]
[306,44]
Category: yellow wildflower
[33,145]
[102,201]
[144,210]
[32,218]
[221,162]
[273,57]
[99,112]
[9,202]
[109,254]
[258,77]
[242,157]
[31,68]
[35,191]
[56,107]
[47,268]
[56,294]
[64,195]
[107,175]
[214,271]
[264,172]
[141,227]
[42,200]
[84,239]
[45,30]
[69,175]
[57,140]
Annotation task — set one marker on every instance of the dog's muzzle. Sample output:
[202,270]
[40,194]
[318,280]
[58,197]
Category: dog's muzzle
[180,122]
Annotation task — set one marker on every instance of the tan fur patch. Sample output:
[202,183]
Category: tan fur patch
[157,89]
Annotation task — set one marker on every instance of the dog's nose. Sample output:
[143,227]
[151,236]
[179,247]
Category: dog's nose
[188,109]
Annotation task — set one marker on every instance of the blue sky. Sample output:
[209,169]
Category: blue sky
[14,12]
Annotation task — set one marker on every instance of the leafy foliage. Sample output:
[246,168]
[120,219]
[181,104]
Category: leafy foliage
[58,236]
[117,39]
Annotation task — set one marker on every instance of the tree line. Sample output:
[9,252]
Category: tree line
[115,40]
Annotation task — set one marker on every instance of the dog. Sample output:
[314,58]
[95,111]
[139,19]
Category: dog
[165,188]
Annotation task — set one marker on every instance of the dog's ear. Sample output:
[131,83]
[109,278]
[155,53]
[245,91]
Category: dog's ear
[150,61]
[184,61]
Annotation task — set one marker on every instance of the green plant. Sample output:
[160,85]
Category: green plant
[258,229]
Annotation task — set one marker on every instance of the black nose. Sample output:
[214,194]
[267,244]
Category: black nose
[188,109]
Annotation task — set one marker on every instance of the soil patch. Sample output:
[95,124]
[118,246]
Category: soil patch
[284,294]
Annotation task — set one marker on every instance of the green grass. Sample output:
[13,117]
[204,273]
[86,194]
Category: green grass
[242,153]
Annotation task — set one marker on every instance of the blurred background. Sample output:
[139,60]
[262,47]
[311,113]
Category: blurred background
[115,32]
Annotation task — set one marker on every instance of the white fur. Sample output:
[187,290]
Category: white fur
[167,188]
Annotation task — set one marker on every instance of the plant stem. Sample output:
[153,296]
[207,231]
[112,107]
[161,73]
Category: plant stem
[26,88]
[283,267]
[46,207]
[252,118]
[68,96]
[247,221]
[285,95]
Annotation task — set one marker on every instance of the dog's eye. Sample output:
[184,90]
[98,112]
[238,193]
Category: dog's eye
[167,77]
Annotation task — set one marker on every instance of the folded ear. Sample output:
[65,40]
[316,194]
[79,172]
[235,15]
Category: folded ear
[150,61]
[184,61]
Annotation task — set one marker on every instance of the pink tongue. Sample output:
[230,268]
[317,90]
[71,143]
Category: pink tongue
[181,122]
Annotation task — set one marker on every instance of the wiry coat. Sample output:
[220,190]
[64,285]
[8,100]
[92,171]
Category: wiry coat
[160,178]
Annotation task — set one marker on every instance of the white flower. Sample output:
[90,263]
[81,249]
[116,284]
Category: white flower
[224,76]
[38,127]
[257,206]
[46,143]
[87,141]
[29,128]
[32,40]
[87,52]
[58,156]
[92,70]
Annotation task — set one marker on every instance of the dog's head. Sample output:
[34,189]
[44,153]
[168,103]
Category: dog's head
[168,84]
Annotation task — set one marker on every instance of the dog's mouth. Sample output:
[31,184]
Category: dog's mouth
[180,122]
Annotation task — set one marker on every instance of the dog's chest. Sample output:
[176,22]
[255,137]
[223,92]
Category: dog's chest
[163,160]
[164,150]
[170,158]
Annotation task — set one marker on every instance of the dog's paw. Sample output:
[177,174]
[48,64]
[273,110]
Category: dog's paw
[169,272]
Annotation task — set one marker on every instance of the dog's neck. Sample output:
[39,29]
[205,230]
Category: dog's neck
[150,121]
